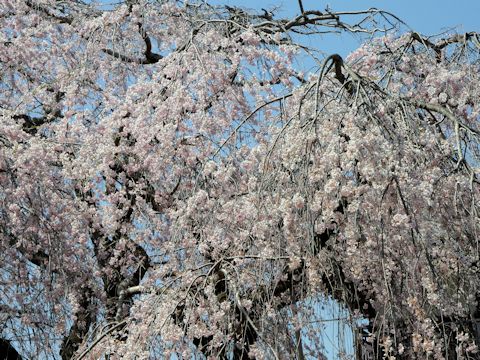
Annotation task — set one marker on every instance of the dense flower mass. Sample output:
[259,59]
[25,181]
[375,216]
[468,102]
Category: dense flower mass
[172,184]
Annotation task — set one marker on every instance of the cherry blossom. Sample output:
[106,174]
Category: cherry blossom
[174,184]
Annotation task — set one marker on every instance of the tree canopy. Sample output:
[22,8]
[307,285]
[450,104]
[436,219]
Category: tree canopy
[174,185]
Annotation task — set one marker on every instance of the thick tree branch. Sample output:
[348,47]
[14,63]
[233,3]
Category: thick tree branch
[84,317]
[152,58]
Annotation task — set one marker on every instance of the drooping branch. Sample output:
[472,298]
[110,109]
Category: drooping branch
[109,330]
[442,44]
[244,332]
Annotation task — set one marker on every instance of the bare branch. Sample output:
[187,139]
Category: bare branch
[301,6]
[46,11]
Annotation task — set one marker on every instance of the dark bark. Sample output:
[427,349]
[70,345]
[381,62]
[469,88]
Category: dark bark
[85,316]
[7,351]
[104,244]
[150,56]
[30,124]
